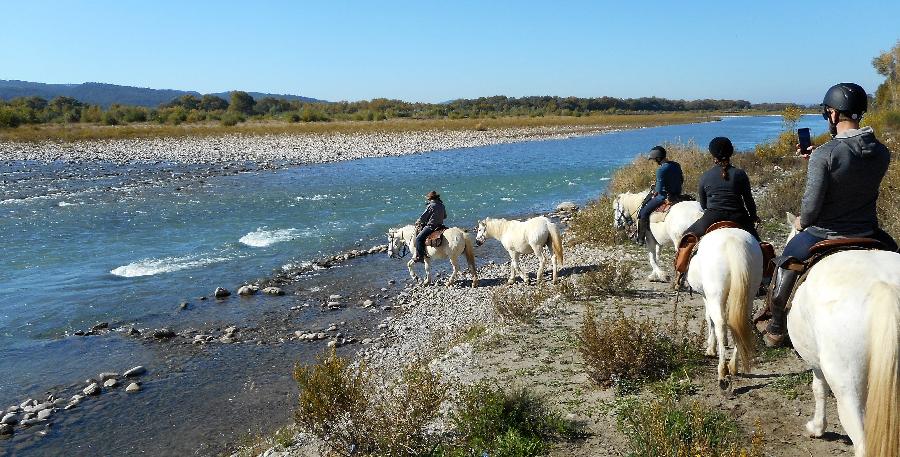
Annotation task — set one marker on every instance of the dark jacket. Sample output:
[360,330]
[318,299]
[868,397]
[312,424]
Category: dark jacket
[434,214]
[669,179]
[842,184]
[733,195]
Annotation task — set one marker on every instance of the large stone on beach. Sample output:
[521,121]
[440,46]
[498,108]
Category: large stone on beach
[163,333]
[93,389]
[6,429]
[273,291]
[566,207]
[136,371]
[221,292]
[133,388]
[10,418]
[110,383]
[44,414]
[108,375]
[248,290]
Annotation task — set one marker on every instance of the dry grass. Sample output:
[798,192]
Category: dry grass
[609,278]
[624,351]
[355,413]
[665,427]
[518,304]
[593,224]
[72,132]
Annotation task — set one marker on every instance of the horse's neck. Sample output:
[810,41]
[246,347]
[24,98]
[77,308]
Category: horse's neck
[632,202]
[497,227]
[408,234]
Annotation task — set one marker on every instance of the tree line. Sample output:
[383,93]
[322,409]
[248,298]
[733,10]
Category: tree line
[242,106]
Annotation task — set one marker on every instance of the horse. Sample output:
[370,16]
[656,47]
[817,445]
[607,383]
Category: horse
[727,270]
[845,323]
[680,216]
[456,241]
[519,237]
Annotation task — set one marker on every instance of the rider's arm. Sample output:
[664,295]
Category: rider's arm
[659,180]
[816,187]
[701,195]
[423,219]
[747,194]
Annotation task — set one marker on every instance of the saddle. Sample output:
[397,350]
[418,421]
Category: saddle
[687,247]
[821,250]
[436,238]
[659,214]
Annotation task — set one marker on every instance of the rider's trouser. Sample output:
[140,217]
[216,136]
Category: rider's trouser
[644,217]
[420,241]
[782,285]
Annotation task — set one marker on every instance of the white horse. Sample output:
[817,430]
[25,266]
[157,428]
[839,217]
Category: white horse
[524,238]
[727,270]
[665,231]
[845,323]
[456,242]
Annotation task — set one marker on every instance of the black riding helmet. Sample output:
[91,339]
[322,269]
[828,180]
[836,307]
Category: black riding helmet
[657,153]
[721,148]
[848,98]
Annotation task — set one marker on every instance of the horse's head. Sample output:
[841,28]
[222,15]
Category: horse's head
[621,218]
[396,245]
[790,218]
[481,233]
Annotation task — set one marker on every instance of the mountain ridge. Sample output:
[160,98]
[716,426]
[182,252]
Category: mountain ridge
[105,94]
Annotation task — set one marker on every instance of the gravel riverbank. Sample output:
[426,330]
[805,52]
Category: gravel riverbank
[281,149]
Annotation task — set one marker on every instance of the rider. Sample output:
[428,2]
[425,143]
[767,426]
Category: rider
[724,195]
[669,180]
[431,220]
[842,184]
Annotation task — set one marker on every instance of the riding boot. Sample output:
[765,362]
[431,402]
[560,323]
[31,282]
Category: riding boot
[782,287]
[768,252]
[685,249]
[641,232]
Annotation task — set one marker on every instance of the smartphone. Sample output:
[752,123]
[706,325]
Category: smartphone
[804,140]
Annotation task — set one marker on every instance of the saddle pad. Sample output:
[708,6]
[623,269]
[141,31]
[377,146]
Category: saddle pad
[658,216]
[434,240]
[721,225]
[845,243]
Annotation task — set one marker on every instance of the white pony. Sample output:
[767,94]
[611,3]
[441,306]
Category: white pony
[625,211]
[524,238]
[727,270]
[845,323]
[456,242]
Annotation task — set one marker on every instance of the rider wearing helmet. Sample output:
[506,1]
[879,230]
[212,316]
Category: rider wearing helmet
[724,195]
[842,184]
[669,180]
[431,220]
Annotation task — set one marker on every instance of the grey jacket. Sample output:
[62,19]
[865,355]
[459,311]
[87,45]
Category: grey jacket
[842,184]
[434,214]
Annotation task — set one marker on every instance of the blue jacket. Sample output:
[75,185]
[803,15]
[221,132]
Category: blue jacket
[669,179]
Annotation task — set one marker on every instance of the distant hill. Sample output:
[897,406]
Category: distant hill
[108,94]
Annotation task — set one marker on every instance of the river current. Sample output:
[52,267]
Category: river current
[87,247]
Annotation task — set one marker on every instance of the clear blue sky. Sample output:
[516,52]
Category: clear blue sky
[436,50]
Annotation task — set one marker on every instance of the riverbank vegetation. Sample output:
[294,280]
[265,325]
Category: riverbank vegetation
[594,122]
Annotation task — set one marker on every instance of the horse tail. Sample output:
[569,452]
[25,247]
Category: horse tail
[556,243]
[738,301]
[882,421]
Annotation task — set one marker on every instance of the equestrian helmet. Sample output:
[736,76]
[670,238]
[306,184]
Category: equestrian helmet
[721,148]
[657,153]
[847,98]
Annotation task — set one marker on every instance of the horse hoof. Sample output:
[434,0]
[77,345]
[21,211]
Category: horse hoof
[814,432]
[725,384]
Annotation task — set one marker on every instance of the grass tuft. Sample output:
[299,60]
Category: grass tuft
[518,304]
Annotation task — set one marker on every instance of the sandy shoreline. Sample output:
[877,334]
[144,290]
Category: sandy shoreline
[272,151]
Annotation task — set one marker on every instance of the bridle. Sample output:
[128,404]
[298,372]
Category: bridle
[403,250]
[622,218]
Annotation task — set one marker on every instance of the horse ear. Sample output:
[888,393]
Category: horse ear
[790,218]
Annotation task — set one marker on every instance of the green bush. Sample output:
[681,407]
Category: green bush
[593,224]
[230,119]
[609,278]
[625,352]
[664,427]
[10,117]
[505,423]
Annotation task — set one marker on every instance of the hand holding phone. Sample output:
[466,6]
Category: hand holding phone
[804,141]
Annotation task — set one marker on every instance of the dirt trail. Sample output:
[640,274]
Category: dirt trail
[543,356]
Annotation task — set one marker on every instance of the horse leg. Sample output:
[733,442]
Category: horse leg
[816,426]
[427,271]
[718,319]
[850,404]
[522,273]
[710,336]
[412,273]
[542,262]
[513,261]
[653,250]
[455,266]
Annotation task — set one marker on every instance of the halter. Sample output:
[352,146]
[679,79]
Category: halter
[403,250]
[622,216]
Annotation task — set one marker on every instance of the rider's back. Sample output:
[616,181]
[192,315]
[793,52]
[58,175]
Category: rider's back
[842,185]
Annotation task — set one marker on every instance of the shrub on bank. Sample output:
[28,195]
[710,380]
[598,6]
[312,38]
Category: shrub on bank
[609,278]
[593,224]
[625,351]
[665,427]
[518,304]
[230,119]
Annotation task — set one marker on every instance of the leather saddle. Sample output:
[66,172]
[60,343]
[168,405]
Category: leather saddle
[683,256]
[436,238]
[825,248]
[659,214]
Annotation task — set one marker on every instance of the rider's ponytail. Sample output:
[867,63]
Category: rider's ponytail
[725,164]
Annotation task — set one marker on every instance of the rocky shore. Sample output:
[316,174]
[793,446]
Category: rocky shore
[270,151]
